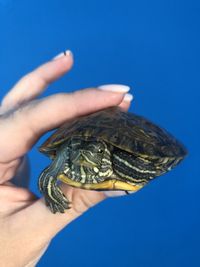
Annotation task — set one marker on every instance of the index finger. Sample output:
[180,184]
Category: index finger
[22,128]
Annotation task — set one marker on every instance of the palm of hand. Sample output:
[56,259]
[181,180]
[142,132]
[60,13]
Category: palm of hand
[26,224]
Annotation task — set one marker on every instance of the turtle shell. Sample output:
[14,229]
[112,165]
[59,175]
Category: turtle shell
[127,131]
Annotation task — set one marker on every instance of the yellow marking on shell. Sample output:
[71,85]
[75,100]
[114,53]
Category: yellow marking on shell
[144,159]
[111,184]
[144,156]
[132,167]
[165,160]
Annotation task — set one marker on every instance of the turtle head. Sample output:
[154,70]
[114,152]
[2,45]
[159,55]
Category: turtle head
[89,160]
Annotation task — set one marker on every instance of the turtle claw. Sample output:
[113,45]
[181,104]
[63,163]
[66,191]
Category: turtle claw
[56,205]
[54,208]
[55,200]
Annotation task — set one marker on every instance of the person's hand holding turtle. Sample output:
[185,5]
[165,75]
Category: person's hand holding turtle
[27,226]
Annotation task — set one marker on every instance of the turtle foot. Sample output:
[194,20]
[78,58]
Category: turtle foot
[55,200]
[55,207]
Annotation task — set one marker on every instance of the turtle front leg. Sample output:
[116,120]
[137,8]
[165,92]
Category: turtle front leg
[54,197]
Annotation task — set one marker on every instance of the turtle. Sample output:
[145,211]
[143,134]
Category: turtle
[107,150]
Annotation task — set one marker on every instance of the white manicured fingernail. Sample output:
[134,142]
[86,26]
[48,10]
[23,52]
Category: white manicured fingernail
[128,97]
[115,88]
[64,54]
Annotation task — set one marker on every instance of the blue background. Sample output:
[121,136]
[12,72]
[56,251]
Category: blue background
[153,46]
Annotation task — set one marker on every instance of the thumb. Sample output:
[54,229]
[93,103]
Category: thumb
[44,225]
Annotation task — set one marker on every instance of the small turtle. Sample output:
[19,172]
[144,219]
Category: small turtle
[106,150]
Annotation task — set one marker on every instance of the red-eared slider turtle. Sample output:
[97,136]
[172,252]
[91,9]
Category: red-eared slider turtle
[106,150]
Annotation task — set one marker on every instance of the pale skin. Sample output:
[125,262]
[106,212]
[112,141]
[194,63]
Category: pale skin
[26,224]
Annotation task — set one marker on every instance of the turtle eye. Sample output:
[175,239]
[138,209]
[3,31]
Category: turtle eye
[100,150]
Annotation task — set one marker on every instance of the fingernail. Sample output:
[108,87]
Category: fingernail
[121,88]
[128,97]
[66,53]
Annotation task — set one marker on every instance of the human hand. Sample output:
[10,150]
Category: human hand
[27,226]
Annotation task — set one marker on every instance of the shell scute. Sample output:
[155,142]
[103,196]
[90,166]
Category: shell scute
[127,131]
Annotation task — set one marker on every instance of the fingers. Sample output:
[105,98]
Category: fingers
[20,130]
[125,104]
[119,88]
[34,83]
[13,199]
[38,214]
[11,193]
[8,170]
